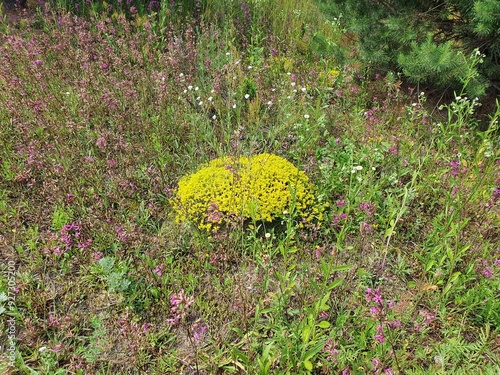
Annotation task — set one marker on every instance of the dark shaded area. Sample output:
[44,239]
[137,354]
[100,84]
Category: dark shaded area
[12,4]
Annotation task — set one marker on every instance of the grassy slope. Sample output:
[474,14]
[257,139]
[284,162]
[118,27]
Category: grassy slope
[99,120]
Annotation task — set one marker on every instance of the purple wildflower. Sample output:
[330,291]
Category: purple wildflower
[341,201]
[367,208]
[374,295]
[393,150]
[365,228]
[198,330]
[331,349]
[338,218]
[159,270]
[380,336]
[101,143]
[495,196]
[428,316]
[487,272]
[394,324]
[323,315]
[53,322]
[97,255]
[180,304]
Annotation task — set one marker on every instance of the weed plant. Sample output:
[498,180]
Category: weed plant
[103,110]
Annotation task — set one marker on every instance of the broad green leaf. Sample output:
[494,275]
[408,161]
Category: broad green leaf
[325,299]
[389,232]
[455,276]
[324,324]
[308,365]
[429,265]
[315,349]
[306,333]
[154,292]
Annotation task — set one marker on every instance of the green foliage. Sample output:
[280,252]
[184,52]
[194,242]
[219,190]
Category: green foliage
[481,303]
[97,341]
[260,188]
[456,350]
[486,20]
[443,66]
[113,275]
[60,217]
[428,41]
[103,112]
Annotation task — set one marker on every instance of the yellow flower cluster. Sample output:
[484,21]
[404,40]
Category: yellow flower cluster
[261,188]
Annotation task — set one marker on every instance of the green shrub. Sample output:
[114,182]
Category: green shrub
[428,41]
[260,188]
[443,66]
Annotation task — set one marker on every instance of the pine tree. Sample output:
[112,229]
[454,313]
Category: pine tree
[432,42]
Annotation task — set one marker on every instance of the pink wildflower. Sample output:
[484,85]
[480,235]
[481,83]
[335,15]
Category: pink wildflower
[159,270]
[101,143]
[380,336]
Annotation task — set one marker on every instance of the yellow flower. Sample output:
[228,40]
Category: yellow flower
[334,73]
[259,188]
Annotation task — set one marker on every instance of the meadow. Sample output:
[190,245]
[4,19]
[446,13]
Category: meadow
[104,109]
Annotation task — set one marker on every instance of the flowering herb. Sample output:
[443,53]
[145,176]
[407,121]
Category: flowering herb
[260,187]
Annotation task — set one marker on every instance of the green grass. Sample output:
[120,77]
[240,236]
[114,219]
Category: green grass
[102,114]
